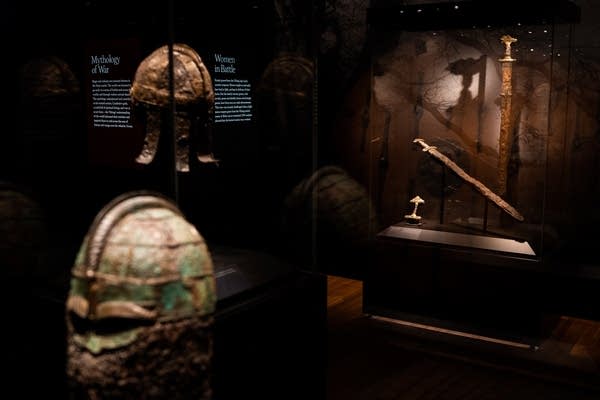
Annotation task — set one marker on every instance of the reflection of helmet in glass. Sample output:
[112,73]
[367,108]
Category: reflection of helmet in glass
[342,210]
[193,97]
[284,110]
[49,114]
[290,74]
[142,292]
[23,237]
[47,77]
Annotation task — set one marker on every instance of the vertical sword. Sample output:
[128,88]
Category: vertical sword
[480,98]
[504,141]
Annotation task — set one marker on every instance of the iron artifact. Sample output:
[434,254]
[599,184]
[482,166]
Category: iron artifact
[414,218]
[140,306]
[484,190]
[193,97]
[505,139]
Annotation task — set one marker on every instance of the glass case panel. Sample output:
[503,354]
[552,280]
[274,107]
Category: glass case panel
[209,104]
[461,119]
[482,162]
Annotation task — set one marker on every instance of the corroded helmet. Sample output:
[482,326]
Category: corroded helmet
[142,292]
[193,96]
[192,81]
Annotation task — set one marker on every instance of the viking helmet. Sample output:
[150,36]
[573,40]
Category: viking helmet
[193,96]
[140,262]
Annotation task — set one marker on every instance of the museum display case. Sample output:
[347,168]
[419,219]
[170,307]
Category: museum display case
[207,104]
[482,162]
[444,153]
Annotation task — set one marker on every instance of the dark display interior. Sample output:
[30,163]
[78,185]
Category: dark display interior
[476,122]
[76,136]
[413,145]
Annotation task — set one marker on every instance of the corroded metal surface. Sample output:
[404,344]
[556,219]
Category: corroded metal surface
[168,360]
[142,278]
[484,190]
[193,97]
[505,139]
[192,82]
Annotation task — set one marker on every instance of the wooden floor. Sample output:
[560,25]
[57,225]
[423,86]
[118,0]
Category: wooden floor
[374,359]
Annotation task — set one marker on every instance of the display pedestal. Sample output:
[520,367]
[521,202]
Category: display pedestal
[269,333]
[481,285]
[270,328]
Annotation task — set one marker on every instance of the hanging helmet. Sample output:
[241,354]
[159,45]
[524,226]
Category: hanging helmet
[193,97]
[141,302]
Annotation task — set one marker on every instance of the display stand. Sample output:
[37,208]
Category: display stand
[270,328]
[483,285]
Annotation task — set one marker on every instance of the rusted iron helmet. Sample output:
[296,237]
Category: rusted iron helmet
[141,262]
[193,97]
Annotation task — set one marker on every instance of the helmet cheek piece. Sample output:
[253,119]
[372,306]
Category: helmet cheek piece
[107,326]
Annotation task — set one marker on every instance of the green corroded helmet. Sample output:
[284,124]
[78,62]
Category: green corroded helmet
[140,262]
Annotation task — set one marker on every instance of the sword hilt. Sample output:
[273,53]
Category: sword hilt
[507,40]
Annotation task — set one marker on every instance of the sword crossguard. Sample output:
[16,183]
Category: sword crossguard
[426,147]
